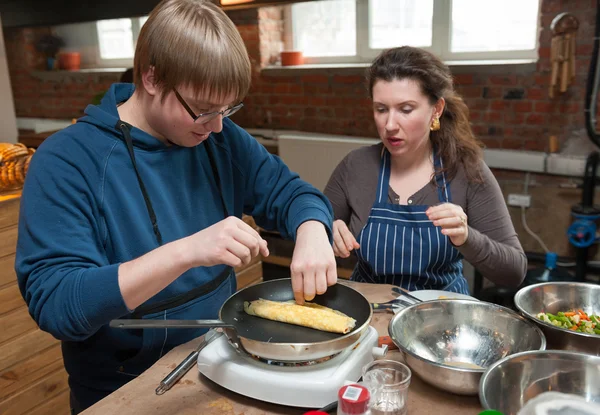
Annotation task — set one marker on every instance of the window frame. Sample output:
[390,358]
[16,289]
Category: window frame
[441,39]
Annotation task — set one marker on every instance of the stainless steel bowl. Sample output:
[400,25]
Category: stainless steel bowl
[450,343]
[508,384]
[552,297]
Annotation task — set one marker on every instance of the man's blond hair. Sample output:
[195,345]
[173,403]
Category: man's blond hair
[193,43]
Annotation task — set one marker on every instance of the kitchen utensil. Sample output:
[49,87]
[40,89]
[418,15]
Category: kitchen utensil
[509,383]
[388,383]
[390,305]
[427,295]
[449,343]
[405,293]
[552,297]
[271,339]
[184,367]
[384,307]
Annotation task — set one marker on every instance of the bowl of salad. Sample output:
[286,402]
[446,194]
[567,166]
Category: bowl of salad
[567,312]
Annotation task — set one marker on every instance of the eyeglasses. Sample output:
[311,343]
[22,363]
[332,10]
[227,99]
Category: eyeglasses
[207,116]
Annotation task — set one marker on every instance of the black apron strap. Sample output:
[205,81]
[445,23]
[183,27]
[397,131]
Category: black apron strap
[198,291]
[169,303]
[125,130]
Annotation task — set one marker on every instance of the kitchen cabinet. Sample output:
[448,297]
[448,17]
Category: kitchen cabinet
[32,376]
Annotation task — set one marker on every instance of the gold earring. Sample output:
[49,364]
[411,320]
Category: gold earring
[435,124]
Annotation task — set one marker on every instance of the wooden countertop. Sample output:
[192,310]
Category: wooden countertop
[10,195]
[194,394]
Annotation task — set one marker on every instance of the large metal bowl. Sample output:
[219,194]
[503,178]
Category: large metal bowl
[508,384]
[552,297]
[450,343]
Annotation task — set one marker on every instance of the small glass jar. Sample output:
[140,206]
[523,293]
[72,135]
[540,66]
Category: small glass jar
[388,382]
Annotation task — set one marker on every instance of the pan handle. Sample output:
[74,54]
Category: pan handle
[168,324]
[228,329]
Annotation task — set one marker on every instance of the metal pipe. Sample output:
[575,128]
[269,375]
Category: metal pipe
[581,264]
[591,95]
[589,179]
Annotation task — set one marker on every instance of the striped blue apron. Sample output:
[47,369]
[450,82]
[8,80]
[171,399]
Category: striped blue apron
[399,245]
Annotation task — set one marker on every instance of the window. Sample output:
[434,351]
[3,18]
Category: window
[346,31]
[117,37]
[105,43]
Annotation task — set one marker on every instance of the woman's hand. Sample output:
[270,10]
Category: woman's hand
[343,240]
[453,221]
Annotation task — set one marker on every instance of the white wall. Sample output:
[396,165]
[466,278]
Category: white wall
[315,156]
[8,119]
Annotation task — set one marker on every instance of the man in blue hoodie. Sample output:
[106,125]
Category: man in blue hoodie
[135,209]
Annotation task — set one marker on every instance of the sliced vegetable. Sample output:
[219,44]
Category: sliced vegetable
[578,321]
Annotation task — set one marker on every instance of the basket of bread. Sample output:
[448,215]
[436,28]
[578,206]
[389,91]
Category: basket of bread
[14,163]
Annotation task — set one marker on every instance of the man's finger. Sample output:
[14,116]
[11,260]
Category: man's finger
[332,276]
[309,285]
[321,281]
[298,287]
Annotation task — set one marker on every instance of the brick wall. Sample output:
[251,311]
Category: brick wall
[35,96]
[510,107]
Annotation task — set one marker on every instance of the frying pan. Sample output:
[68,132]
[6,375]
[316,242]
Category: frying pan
[274,340]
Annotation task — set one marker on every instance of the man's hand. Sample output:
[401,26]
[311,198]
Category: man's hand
[313,262]
[231,242]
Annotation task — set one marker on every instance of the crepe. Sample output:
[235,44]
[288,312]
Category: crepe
[310,315]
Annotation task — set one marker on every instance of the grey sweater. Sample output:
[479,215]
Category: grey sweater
[492,247]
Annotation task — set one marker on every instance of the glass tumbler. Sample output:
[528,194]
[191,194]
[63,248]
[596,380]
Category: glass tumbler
[388,382]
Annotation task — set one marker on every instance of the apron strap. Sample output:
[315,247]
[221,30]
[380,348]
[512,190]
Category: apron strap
[443,187]
[383,183]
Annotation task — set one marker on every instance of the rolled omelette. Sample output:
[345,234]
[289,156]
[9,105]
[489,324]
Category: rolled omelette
[310,315]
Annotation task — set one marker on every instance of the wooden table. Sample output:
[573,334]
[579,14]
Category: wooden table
[194,394]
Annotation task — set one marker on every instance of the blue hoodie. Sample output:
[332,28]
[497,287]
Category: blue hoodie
[83,213]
